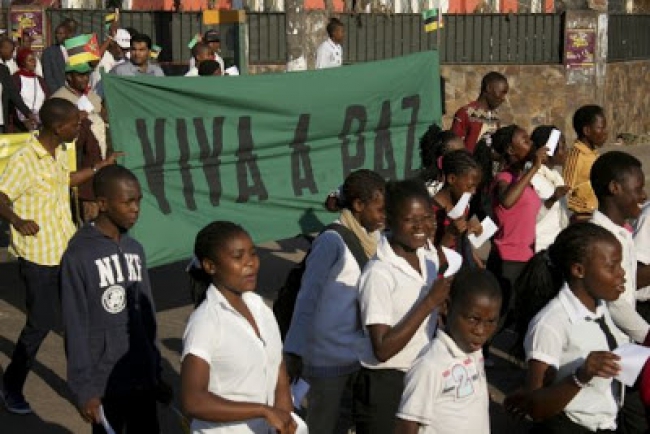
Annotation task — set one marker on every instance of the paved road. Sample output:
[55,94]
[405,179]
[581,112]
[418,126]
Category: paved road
[46,388]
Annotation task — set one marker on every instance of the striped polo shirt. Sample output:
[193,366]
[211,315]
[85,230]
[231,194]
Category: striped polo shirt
[38,187]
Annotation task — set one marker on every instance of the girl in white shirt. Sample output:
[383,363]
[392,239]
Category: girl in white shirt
[569,342]
[232,376]
[549,184]
[399,306]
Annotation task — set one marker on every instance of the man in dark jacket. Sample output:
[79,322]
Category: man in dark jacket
[10,94]
[53,60]
[110,320]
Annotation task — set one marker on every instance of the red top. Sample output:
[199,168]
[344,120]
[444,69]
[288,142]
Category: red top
[472,122]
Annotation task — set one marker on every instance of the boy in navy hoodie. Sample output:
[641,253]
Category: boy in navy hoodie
[109,315]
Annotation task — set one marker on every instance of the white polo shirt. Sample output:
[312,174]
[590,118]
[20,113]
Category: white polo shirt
[550,221]
[329,55]
[562,335]
[623,310]
[444,384]
[389,288]
[642,246]
[243,367]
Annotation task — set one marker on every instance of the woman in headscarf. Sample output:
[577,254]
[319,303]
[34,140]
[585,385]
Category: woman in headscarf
[32,87]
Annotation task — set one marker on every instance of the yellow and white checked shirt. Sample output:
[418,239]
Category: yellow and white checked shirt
[38,187]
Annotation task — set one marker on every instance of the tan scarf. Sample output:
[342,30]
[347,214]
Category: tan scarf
[368,241]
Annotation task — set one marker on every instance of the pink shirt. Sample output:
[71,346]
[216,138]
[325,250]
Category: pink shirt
[515,240]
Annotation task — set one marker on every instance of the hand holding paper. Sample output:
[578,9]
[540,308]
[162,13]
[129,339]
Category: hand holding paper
[454,261]
[552,142]
[459,209]
[633,358]
[489,229]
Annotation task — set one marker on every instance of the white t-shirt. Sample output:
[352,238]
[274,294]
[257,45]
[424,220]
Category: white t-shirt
[389,288]
[32,94]
[243,367]
[444,384]
[562,335]
[623,310]
[329,55]
[642,246]
[550,222]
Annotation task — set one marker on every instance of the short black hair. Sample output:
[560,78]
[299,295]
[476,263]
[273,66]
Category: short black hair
[107,177]
[55,111]
[333,24]
[611,166]
[361,184]
[492,77]
[141,37]
[540,135]
[585,116]
[502,138]
[473,282]
[398,192]
[209,67]
[459,162]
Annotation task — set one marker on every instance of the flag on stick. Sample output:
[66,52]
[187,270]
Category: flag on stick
[432,20]
[82,49]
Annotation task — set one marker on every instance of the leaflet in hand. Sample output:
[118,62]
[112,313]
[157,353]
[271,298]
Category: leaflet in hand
[107,426]
[633,358]
[298,391]
[454,261]
[489,229]
[458,210]
[551,143]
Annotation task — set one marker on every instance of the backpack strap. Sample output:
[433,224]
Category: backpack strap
[351,241]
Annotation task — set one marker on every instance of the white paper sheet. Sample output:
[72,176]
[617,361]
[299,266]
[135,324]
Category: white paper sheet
[107,426]
[298,391]
[84,104]
[461,206]
[552,142]
[454,261]
[302,426]
[633,358]
[489,229]
[233,70]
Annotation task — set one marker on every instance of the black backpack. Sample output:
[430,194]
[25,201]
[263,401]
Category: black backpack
[287,295]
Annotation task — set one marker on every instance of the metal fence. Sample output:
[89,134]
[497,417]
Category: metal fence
[469,39]
[170,30]
[629,37]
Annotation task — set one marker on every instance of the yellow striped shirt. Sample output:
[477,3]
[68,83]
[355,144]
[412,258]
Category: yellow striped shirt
[38,187]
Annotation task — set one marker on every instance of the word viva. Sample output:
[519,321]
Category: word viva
[355,152]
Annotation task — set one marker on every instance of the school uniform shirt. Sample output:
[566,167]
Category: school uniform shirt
[243,366]
[550,221]
[515,239]
[193,72]
[642,246]
[581,198]
[562,335]
[389,288]
[623,310]
[444,383]
[325,324]
[329,55]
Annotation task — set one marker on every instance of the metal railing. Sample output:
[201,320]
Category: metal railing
[629,37]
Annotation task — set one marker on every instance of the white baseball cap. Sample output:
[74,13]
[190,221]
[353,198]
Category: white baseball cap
[123,38]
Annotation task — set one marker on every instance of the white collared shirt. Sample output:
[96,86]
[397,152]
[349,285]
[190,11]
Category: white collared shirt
[562,335]
[217,57]
[243,367]
[389,288]
[550,221]
[642,246]
[443,383]
[623,310]
[329,55]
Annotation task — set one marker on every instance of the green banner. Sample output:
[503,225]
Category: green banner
[264,150]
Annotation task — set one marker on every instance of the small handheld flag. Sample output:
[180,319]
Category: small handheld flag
[432,20]
[82,49]
[155,51]
[108,20]
[193,42]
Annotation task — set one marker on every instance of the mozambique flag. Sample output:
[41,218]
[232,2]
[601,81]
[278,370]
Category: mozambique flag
[109,19]
[432,20]
[82,49]
[155,51]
